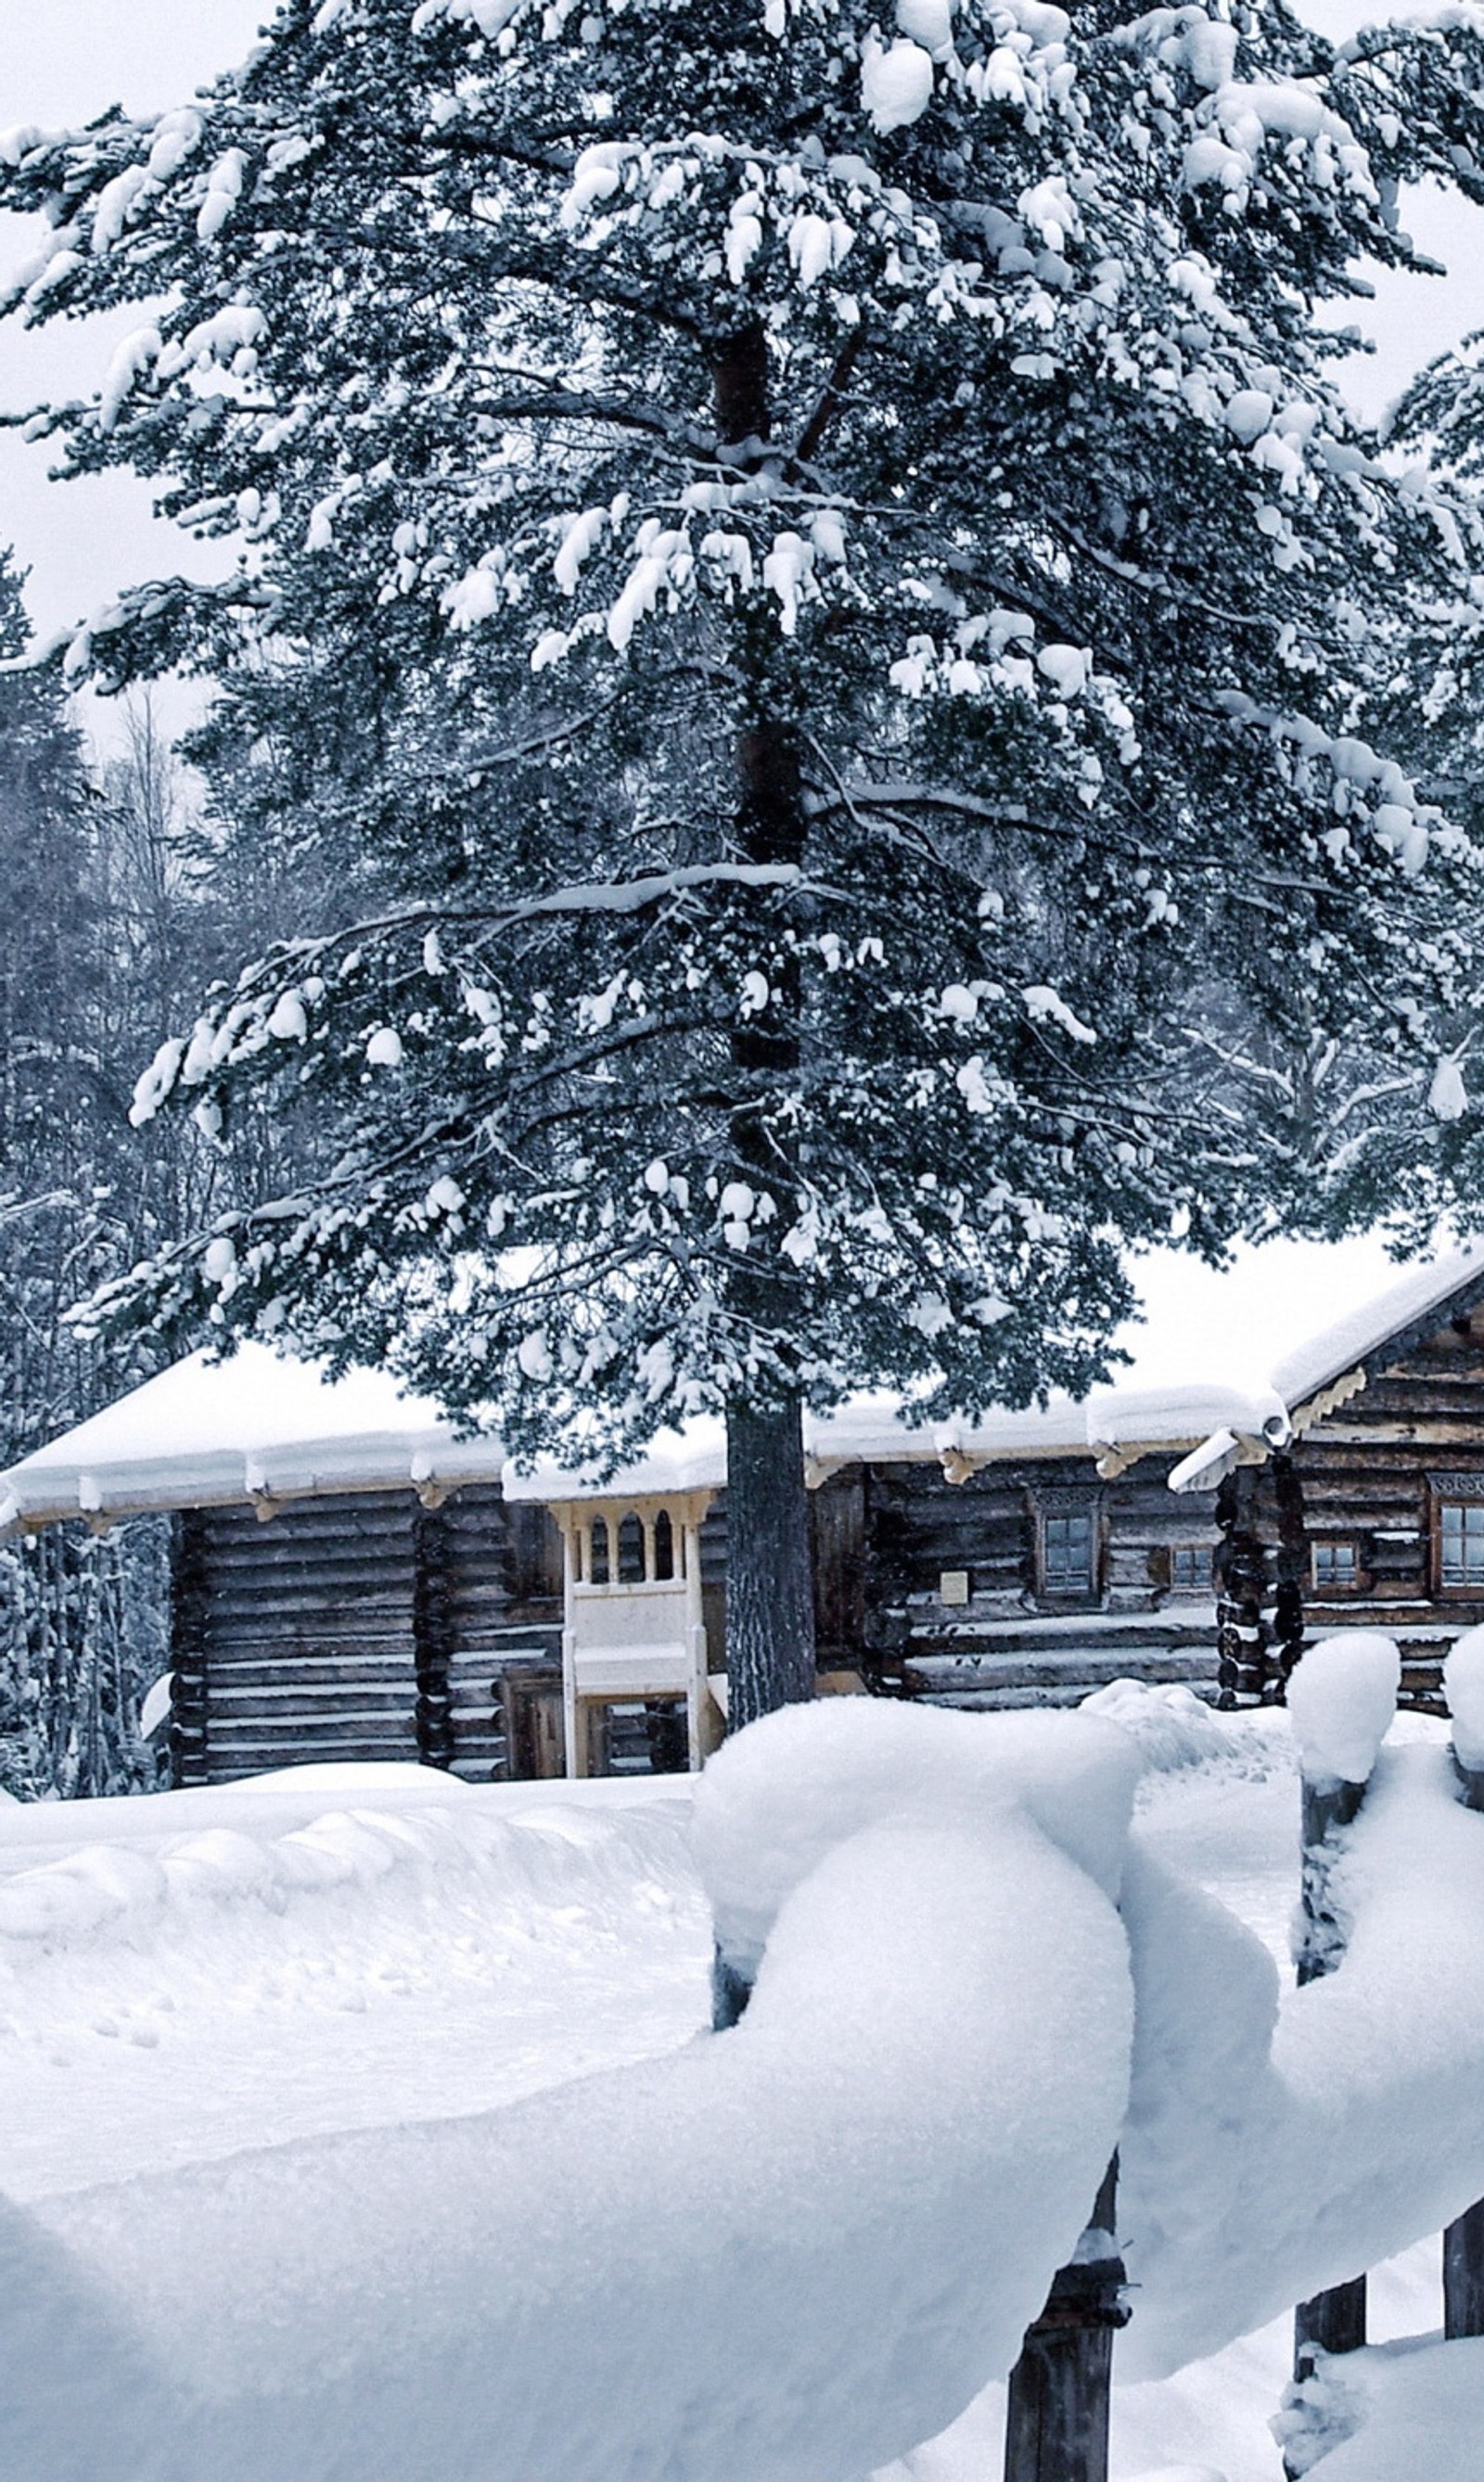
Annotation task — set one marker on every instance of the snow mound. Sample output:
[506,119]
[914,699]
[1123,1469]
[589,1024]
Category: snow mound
[124,1896]
[1342,1697]
[494,1934]
[1389,2414]
[673,2240]
[1281,2140]
[780,1795]
[1170,1726]
[1463,1686]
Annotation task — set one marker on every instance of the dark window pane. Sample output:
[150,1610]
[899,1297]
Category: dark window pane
[1068,1554]
[631,1552]
[598,1566]
[1335,1564]
[664,1546]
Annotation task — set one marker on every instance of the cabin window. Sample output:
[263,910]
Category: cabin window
[1190,1564]
[1461,1543]
[632,1550]
[598,1566]
[1067,1554]
[664,1547]
[1337,1568]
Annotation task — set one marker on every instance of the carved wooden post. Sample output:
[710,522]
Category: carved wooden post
[1061,2388]
[434,1638]
[1240,1571]
[1291,1566]
[1463,2241]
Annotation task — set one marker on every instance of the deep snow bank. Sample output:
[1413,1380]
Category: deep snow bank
[778,1798]
[223,1968]
[1392,2414]
[1280,2140]
[784,2254]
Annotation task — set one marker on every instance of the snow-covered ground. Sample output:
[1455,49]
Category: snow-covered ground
[211,1975]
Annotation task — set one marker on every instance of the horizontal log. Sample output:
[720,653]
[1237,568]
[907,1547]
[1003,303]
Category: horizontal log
[319,1644]
[280,1709]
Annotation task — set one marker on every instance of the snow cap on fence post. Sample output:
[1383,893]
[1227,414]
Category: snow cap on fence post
[1463,1686]
[1341,1697]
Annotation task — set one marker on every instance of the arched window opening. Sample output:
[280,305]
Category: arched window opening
[664,1546]
[598,1567]
[632,1550]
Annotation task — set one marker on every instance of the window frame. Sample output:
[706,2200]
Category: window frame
[1204,1582]
[1061,1509]
[1329,1544]
[1466,1493]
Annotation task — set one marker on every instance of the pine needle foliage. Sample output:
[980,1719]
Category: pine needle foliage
[839,606]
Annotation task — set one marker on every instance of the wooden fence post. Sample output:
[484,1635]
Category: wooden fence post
[1463,2242]
[1332,2321]
[730,1992]
[1061,2388]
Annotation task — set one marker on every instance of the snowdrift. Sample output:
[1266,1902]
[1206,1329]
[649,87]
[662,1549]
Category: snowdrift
[790,2251]
[1279,2140]
[787,2254]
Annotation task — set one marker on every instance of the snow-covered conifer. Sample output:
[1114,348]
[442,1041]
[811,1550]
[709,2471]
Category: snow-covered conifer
[857,599]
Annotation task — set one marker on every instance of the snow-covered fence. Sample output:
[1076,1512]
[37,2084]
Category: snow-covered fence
[1341,1697]
[1060,2398]
[744,2259]
[805,1774]
[819,2234]
[1463,2240]
[1057,2417]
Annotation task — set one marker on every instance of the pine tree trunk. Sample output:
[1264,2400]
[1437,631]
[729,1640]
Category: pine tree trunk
[770,1588]
[770,1594]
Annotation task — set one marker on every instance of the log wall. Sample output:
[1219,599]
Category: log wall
[1374,1474]
[360,1628]
[1010,1642]
[370,1628]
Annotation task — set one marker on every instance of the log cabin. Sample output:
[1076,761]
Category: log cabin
[353,1581]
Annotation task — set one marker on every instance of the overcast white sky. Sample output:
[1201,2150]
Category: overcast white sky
[61,60]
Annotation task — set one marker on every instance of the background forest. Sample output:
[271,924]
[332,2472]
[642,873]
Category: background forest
[128,886]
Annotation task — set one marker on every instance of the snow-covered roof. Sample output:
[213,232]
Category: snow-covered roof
[1334,1366]
[1383,1327]
[676,1462]
[259,1427]
[268,1429]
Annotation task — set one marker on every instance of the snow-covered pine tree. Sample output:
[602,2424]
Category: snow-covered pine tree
[1414,1144]
[72,1645]
[853,593]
